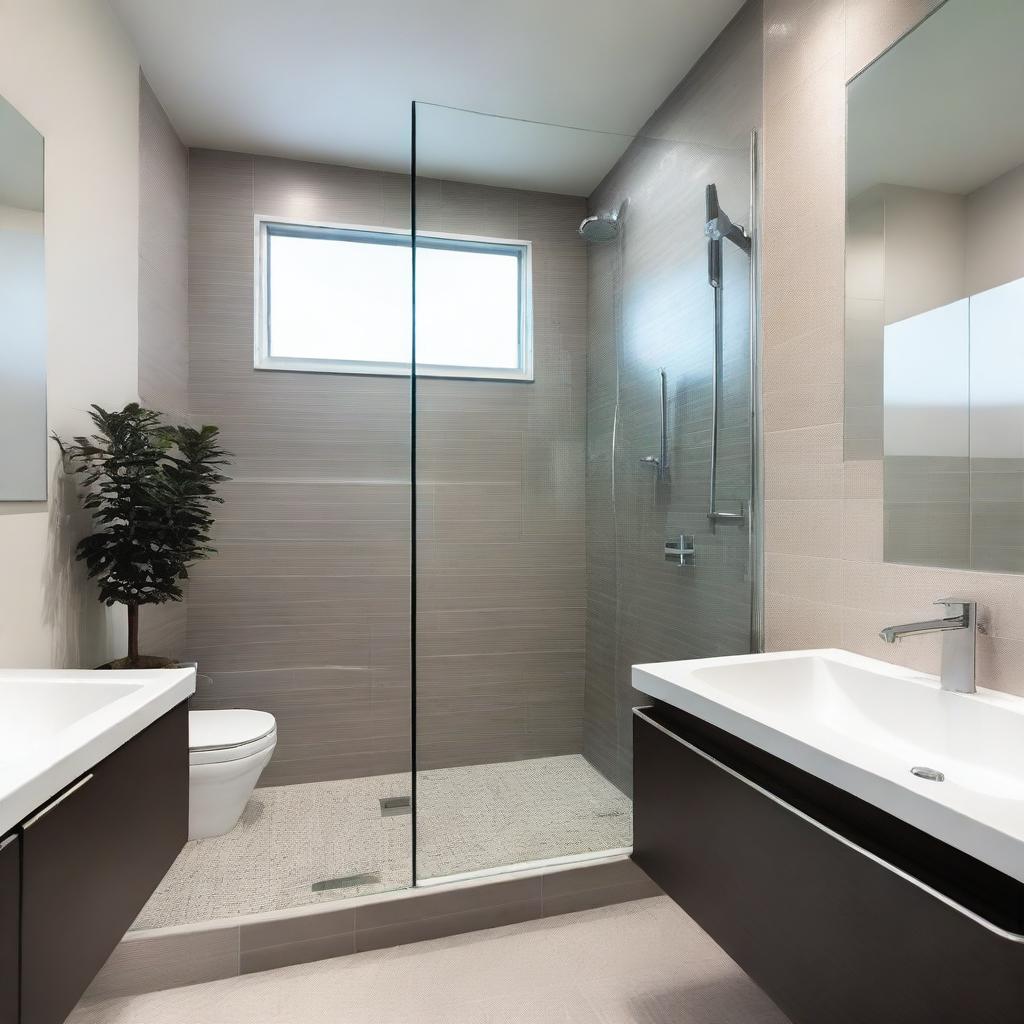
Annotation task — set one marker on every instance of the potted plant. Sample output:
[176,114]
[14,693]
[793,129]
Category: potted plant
[149,487]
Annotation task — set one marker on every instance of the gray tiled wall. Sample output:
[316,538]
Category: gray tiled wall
[163,302]
[305,610]
[651,307]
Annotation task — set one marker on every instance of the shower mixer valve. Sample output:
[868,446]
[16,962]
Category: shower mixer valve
[681,551]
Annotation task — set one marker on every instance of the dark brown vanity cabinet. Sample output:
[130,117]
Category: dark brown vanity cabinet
[91,857]
[10,927]
[818,896]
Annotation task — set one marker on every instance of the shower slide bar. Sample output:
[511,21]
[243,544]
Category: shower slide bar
[717,228]
[660,461]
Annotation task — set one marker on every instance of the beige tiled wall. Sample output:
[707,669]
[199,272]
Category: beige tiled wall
[826,583]
[304,612]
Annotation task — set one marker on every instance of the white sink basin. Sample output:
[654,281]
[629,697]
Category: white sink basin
[862,725]
[55,725]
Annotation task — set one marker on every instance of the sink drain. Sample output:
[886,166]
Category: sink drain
[931,774]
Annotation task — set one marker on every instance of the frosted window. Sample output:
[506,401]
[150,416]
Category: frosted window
[339,300]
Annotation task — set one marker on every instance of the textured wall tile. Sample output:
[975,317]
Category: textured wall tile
[802,405]
[806,577]
[874,25]
[862,529]
[799,36]
[805,463]
[806,527]
[792,624]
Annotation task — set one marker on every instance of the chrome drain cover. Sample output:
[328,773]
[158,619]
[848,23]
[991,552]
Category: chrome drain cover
[931,774]
[347,882]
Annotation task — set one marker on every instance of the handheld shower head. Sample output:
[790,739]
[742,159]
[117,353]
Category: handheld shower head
[717,227]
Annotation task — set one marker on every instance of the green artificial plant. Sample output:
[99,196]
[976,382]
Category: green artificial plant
[149,487]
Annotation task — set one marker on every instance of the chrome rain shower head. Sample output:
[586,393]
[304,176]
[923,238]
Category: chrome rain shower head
[601,227]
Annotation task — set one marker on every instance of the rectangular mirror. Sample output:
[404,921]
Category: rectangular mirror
[935,286]
[22,311]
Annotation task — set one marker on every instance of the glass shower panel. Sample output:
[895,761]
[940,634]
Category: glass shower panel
[303,612]
[548,491]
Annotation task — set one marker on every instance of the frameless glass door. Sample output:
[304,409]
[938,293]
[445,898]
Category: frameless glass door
[562,449]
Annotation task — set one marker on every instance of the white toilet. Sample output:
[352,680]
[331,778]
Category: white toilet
[227,752]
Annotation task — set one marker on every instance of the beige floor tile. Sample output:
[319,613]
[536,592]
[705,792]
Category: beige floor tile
[644,962]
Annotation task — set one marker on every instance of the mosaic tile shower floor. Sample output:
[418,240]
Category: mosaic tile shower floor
[481,816]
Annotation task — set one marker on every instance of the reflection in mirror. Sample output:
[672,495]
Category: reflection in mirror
[997,428]
[934,264]
[926,438]
[23,306]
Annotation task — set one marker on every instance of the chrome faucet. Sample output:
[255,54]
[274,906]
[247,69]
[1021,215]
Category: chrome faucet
[959,640]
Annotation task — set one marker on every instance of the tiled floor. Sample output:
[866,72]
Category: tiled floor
[643,962]
[470,818]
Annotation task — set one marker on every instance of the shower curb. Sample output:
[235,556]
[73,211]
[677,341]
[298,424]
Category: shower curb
[148,961]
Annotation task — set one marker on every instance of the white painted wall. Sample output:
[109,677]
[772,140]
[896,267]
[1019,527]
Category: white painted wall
[69,69]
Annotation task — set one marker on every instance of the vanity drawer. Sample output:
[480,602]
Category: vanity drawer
[831,932]
[92,857]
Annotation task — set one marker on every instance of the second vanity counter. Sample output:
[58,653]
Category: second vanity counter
[57,724]
[877,731]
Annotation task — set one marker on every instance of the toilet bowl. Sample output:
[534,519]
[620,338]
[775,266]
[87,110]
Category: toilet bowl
[227,752]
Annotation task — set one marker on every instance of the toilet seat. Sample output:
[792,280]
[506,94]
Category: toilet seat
[215,737]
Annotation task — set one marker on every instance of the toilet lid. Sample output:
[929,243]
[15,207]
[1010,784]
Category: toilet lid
[215,730]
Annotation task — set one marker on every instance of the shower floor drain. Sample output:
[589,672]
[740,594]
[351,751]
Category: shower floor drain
[390,805]
[346,881]
[931,774]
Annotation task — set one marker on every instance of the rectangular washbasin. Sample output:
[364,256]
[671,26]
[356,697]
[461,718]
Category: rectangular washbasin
[57,724]
[864,726]
[34,711]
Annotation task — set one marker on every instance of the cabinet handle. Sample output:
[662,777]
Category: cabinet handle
[916,882]
[58,800]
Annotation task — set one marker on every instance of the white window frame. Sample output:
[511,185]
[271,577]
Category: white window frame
[263,360]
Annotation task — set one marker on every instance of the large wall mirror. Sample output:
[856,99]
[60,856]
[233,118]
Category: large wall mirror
[22,311]
[935,286]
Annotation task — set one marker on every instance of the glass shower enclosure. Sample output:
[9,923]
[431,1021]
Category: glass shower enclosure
[513,386]
[584,479]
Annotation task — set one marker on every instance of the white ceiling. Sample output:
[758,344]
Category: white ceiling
[21,170]
[942,109]
[332,80]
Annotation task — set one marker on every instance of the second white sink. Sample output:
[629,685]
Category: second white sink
[57,724]
[863,725]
